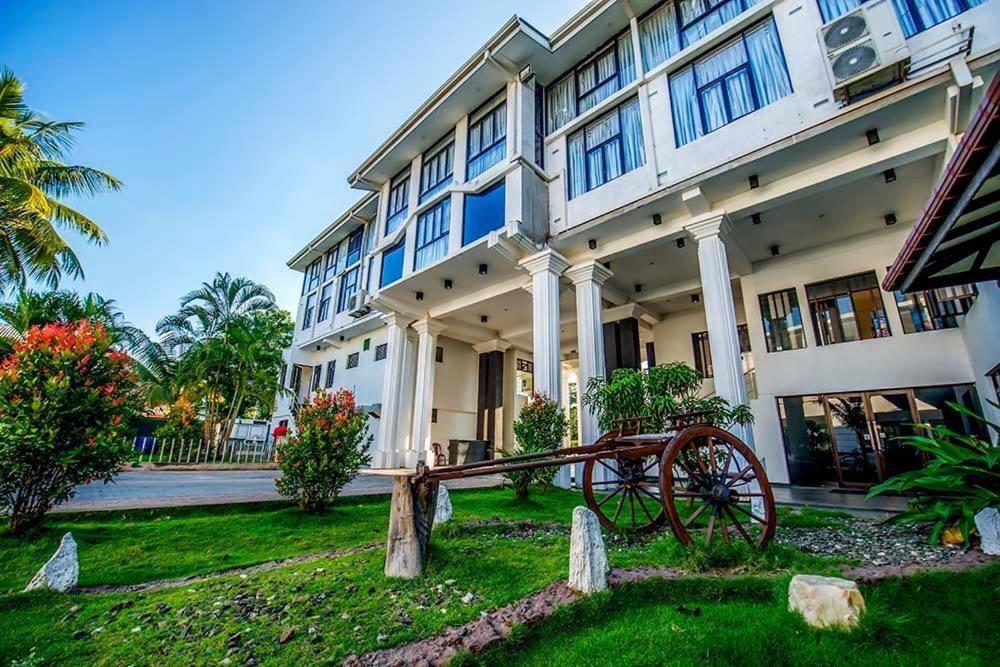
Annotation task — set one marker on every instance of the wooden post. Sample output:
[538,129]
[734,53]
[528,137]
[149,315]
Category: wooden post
[411,518]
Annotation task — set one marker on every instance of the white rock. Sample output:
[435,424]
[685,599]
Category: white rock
[468,598]
[826,602]
[988,525]
[62,570]
[588,559]
[442,513]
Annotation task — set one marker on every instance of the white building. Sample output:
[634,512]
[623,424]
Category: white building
[661,181]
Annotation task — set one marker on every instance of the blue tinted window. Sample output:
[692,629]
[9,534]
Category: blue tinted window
[392,264]
[484,212]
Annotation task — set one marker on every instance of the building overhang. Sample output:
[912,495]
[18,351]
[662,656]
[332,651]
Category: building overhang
[362,212]
[957,238]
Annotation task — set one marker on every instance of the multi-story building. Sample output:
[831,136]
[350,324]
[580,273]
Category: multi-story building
[720,182]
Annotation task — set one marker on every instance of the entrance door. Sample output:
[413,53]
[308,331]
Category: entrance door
[893,415]
[854,453]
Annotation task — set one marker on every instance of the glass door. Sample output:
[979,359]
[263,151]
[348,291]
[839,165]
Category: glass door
[893,415]
[854,453]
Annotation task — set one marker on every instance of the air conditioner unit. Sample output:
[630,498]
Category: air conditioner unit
[865,49]
[356,306]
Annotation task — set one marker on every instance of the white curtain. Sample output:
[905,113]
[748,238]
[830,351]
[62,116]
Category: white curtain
[560,103]
[576,165]
[770,76]
[658,36]
[626,59]
[684,106]
[432,234]
[632,145]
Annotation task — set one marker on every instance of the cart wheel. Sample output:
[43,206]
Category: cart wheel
[718,484]
[625,500]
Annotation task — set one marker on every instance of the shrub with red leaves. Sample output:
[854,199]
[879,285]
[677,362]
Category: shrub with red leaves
[67,405]
[330,444]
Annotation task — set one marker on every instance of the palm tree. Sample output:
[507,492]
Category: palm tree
[208,310]
[33,177]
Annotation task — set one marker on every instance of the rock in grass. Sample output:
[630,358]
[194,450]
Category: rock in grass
[287,635]
[588,559]
[826,602]
[62,570]
[988,525]
[443,512]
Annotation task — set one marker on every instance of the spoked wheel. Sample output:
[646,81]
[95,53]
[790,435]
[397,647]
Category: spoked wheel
[624,499]
[715,488]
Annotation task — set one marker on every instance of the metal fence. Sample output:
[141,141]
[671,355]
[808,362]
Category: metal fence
[181,452]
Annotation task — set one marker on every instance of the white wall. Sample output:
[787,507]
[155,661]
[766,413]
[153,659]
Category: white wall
[981,333]
[456,387]
[672,337]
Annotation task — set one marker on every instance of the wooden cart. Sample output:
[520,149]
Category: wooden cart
[704,481]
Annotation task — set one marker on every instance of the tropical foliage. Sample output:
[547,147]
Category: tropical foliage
[659,392]
[960,478]
[330,445]
[539,427]
[182,424]
[226,341]
[33,179]
[67,402]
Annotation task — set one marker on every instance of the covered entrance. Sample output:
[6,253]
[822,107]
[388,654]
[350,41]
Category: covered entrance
[853,439]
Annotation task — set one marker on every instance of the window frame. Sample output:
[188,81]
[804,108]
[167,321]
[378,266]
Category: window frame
[330,263]
[398,247]
[793,304]
[308,311]
[938,307]
[587,151]
[834,299]
[317,377]
[427,215]
[912,11]
[310,278]
[331,370]
[355,236]
[494,104]
[681,26]
[349,280]
[325,297]
[591,64]
[353,360]
[439,149]
[397,182]
[700,356]
[381,351]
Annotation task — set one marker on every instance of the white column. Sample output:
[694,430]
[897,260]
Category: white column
[390,435]
[588,278]
[720,314]
[423,398]
[545,268]
[406,397]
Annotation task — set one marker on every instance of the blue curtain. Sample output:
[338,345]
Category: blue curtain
[932,12]
[684,106]
[658,36]
[831,9]
[632,146]
[770,76]
[914,15]
[576,165]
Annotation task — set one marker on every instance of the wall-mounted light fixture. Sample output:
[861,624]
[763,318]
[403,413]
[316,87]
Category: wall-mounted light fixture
[638,287]
[657,219]
[420,296]
[592,244]
[680,243]
[775,250]
[484,319]
[754,182]
[695,298]
[755,218]
[448,284]
[890,219]
[889,175]
[483,269]
[872,136]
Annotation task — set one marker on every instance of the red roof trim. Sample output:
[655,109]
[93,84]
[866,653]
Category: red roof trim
[972,150]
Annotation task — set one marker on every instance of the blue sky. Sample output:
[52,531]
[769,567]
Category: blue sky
[234,124]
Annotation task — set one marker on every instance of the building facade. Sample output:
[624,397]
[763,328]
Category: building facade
[719,182]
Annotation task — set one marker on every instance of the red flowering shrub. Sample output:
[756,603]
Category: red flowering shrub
[330,445]
[67,402]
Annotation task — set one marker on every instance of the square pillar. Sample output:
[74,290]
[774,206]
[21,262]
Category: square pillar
[545,268]
[589,278]
[391,431]
[423,397]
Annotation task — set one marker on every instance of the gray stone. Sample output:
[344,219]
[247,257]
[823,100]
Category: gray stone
[442,513]
[988,525]
[62,570]
[826,602]
[588,559]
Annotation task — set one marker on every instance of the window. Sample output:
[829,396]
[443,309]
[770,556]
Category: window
[438,167]
[392,264]
[324,302]
[914,15]
[331,369]
[847,309]
[330,264]
[317,375]
[487,136]
[703,351]
[743,75]
[934,309]
[380,351]
[311,278]
[432,234]
[524,380]
[399,194]
[307,317]
[296,378]
[354,247]
[782,320]
[348,287]
[284,374]
[434,415]
[699,17]
[994,376]
[366,344]
[589,83]
[439,354]
[483,213]
[606,149]
[352,359]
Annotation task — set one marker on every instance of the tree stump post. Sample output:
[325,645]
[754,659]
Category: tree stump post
[411,518]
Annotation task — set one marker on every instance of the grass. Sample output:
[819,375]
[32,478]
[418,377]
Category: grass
[932,619]
[337,606]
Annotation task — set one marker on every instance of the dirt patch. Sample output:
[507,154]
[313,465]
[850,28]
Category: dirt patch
[874,574]
[252,569]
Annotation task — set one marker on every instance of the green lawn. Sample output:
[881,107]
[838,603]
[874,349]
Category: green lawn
[339,606]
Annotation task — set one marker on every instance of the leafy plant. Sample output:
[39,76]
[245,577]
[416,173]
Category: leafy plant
[539,427]
[661,391]
[67,402]
[961,478]
[182,424]
[330,446]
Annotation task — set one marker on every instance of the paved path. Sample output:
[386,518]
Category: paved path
[135,489]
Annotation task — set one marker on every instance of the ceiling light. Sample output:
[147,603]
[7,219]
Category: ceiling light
[657,219]
[448,284]
[695,298]
[872,136]
[420,296]
[638,288]
[484,319]
[890,219]
[775,250]
[754,181]
[889,175]
[592,244]
[755,218]
[680,243]
[483,269]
